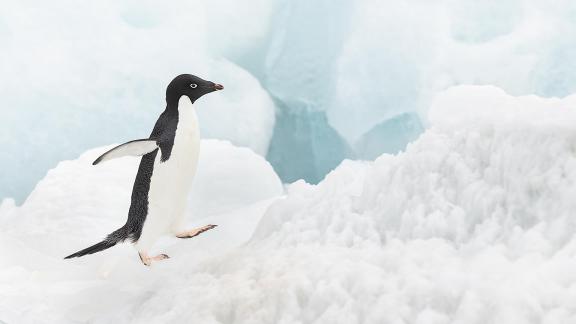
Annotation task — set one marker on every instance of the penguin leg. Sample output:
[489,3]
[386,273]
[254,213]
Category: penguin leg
[147,260]
[195,232]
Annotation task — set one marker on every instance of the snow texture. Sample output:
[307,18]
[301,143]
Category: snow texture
[471,224]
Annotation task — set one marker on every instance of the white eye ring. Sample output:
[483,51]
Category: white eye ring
[193,85]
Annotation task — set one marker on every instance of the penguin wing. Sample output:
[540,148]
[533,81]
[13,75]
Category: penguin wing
[137,147]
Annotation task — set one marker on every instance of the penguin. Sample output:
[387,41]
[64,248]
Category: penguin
[169,157]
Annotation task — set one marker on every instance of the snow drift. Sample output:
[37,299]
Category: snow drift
[471,224]
[94,200]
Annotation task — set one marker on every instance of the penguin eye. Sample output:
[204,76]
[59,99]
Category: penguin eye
[193,85]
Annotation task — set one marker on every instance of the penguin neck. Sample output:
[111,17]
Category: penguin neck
[187,119]
[186,111]
[172,102]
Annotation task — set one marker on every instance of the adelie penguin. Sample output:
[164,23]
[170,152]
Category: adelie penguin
[167,166]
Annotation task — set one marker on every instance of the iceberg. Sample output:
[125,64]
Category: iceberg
[350,67]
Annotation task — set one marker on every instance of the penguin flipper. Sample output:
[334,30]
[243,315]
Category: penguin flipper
[137,147]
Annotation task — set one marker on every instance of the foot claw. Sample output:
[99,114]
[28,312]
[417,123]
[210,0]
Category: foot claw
[147,261]
[195,232]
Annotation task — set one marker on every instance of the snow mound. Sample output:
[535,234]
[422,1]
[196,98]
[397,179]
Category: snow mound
[471,224]
[78,203]
[491,165]
[230,177]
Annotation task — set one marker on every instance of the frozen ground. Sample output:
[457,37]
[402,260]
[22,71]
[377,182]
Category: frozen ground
[473,223]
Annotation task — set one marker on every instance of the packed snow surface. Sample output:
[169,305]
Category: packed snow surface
[473,223]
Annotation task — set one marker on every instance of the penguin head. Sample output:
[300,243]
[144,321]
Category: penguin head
[191,86]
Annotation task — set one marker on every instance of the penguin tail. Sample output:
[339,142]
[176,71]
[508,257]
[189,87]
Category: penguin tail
[107,243]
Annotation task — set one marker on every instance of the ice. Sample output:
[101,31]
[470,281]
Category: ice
[472,223]
[382,67]
[304,145]
[244,116]
[390,136]
[364,63]
[76,76]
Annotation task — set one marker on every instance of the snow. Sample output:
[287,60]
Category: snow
[471,224]
[94,199]
[231,177]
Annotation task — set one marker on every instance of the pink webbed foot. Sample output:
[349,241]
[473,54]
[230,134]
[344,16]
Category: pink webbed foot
[147,260]
[195,232]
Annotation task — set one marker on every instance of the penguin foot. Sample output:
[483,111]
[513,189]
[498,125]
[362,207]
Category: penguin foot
[195,232]
[147,260]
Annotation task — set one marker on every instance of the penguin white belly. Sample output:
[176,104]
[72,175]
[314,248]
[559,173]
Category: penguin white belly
[171,180]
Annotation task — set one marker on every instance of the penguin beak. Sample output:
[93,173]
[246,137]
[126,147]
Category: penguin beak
[218,86]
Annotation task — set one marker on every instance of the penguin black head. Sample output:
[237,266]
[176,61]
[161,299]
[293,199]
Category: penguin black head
[191,86]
